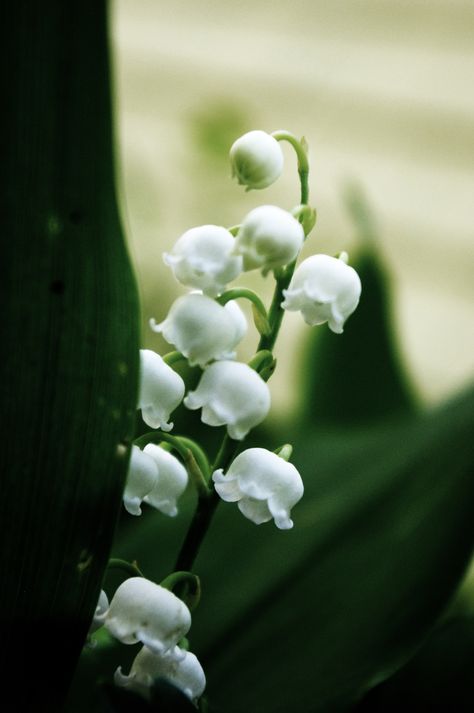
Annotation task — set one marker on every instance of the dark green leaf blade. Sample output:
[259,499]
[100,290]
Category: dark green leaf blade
[310,619]
[70,341]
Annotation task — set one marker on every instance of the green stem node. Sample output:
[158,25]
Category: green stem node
[173,357]
[285,451]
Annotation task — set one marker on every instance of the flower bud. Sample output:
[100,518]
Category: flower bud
[141,610]
[231,393]
[202,329]
[161,390]
[323,289]
[264,485]
[269,237]
[142,478]
[172,481]
[203,258]
[185,673]
[256,159]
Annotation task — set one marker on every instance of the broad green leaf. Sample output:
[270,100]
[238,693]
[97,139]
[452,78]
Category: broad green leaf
[309,619]
[440,677]
[69,346]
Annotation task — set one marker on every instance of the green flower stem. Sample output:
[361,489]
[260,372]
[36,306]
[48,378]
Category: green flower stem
[236,292]
[186,586]
[228,450]
[234,230]
[193,456]
[130,567]
[205,510]
[259,311]
[275,314]
[302,156]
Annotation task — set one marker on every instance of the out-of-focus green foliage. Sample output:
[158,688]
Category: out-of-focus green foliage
[69,342]
[357,377]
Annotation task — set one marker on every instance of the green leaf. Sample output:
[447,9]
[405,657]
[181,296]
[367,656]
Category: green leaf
[310,619]
[440,677]
[70,342]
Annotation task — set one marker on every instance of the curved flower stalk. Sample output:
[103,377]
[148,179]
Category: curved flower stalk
[264,485]
[161,390]
[143,611]
[201,329]
[231,394]
[256,159]
[203,258]
[269,237]
[171,483]
[185,673]
[324,289]
[142,478]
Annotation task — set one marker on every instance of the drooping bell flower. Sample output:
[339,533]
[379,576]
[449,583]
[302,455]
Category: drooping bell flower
[324,289]
[142,477]
[203,258]
[232,394]
[269,237]
[202,329]
[185,672]
[141,610]
[161,390]
[263,485]
[171,483]
[256,159]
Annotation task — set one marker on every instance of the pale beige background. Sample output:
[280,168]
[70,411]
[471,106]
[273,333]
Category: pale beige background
[384,92]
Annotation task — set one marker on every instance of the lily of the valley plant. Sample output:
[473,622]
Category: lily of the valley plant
[205,326]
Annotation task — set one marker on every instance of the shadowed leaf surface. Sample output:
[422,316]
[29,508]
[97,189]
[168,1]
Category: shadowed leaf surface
[70,342]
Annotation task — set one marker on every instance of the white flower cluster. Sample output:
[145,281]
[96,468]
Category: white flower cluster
[206,333]
[206,326]
[147,613]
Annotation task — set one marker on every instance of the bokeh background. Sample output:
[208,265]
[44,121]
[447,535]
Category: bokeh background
[383,92]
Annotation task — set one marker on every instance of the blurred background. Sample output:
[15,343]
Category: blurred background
[383,93]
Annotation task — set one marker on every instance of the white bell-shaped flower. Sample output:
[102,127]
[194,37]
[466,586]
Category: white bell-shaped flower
[269,237]
[142,477]
[171,483]
[324,289]
[231,393]
[161,390]
[203,258]
[185,673]
[256,159]
[264,485]
[141,610]
[202,329]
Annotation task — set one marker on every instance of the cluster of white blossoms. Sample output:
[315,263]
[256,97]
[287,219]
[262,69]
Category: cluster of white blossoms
[205,326]
[147,613]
